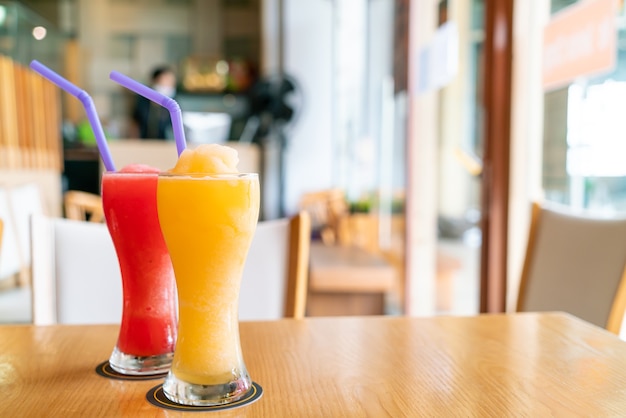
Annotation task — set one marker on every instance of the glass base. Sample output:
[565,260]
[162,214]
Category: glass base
[185,393]
[140,366]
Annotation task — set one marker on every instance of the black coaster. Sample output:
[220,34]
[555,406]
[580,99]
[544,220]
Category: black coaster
[157,398]
[104,369]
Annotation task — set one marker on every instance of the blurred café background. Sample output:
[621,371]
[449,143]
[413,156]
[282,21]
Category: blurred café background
[415,132]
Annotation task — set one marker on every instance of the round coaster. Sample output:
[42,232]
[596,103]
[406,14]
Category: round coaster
[104,369]
[157,398]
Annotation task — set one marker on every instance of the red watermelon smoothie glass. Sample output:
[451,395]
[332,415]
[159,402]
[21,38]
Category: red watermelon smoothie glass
[147,335]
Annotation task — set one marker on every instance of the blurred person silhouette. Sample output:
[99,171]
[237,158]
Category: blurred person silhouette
[153,120]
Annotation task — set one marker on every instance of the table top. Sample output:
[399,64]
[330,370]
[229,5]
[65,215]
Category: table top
[348,269]
[491,365]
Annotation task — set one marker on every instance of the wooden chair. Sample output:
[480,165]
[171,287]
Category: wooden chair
[83,206]
[326,208]
[75,273]
[275,277]
[575,263]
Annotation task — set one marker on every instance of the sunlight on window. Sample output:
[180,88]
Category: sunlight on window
[595,136]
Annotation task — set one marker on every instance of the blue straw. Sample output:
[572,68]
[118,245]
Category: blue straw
[167,102]
[90,109]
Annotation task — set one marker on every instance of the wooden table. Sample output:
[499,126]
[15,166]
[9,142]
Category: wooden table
[347,281]
[532,365]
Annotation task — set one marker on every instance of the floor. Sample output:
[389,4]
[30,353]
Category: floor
[458,290]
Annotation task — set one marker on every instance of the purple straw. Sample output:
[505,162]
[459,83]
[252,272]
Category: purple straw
[167,102]
[90,109]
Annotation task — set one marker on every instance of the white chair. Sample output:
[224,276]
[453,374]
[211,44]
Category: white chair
[275,277]
[75,273]
[25,201]
[83,206]
[76,278]
[10,257]
[575,263]
[17,203]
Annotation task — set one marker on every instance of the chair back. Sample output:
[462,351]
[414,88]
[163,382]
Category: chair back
[75,273]
[76,277]
[326,209]
[83,206]
[275,278]
[575,263]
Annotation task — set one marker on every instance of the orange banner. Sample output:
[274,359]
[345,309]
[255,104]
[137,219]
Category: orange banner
[580,40]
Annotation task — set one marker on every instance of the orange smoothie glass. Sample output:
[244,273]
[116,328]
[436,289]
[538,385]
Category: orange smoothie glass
[208,221]
[147,334]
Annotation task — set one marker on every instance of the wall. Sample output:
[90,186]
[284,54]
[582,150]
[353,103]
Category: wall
[422,170]
[458,190]
[128,37]
[339,138]
[134,37]
[308,57]
[526,132]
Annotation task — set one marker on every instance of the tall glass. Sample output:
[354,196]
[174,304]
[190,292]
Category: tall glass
[147,334]
[208,222]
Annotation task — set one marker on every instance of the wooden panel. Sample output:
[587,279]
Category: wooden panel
[30,119]
[348,269]
[38,118]
[73,70]
[345,304]
[52,127]
[23,107]
[8,113]
[348,281]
